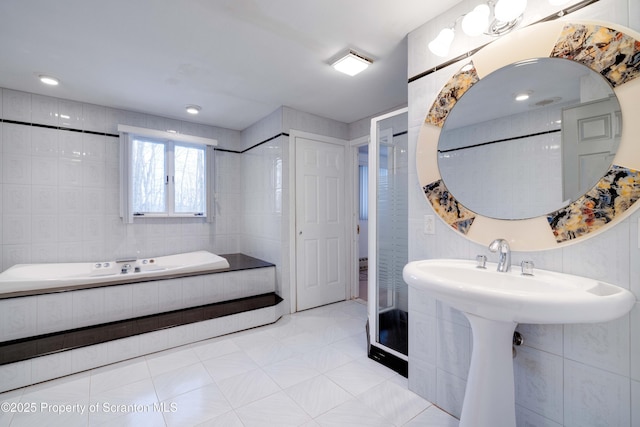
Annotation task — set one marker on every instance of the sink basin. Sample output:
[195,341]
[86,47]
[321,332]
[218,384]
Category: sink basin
[494,303]
[545,297]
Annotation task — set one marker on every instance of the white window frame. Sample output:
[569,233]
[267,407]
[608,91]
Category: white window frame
[168,139]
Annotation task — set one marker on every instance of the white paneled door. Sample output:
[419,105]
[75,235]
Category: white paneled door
[321,244]
[590,138]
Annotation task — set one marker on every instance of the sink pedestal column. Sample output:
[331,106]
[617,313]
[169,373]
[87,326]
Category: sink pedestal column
[489,399]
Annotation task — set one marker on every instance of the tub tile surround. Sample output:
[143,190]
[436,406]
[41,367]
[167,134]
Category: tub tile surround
[60,194]
[29,316]
[566,375]
[112,319]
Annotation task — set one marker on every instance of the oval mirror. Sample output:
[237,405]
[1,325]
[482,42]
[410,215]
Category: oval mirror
[538,215]
[529,138]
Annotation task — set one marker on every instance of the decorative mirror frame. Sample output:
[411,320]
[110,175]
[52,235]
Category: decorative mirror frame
[609,49]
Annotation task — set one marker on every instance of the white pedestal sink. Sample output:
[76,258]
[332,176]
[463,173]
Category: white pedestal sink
[495,302]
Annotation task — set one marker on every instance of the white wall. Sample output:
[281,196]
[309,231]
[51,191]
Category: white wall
[59,189]
[265,190]
[571,375]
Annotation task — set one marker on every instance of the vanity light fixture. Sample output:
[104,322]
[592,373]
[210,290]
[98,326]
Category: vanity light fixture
[441,44]
[509,10]
[475,22]
[48,80]
[193,109]
[352,63]
[494,18]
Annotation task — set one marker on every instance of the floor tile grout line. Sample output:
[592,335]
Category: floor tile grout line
[346,345]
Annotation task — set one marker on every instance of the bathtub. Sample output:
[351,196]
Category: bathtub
[23,278]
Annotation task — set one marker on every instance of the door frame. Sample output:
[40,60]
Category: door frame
[293,135]
[354,271]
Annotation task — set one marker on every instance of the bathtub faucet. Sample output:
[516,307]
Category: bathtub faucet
[127,264]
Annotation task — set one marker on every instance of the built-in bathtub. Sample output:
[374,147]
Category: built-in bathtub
[73,326]
[31,279]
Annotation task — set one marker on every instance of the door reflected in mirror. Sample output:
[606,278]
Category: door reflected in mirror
[529,138]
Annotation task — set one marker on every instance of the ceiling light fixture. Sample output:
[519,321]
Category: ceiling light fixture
[493,18]
[352,63]
[193,109]
[48,80]
[522,96]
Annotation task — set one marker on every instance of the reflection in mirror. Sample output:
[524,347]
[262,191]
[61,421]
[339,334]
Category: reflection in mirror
[516,159]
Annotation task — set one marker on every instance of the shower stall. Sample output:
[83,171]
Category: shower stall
[388,240]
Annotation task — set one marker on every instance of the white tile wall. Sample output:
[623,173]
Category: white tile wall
[16,105]
[68,181]
[603,344]
[450,392]
[19,318]
[68,310]
[454,348]
[547,338]
[565,375]
[264,235]
[635,341]
[44,110]
[527,418]
[70,114]
[51,366]
[55,313]
[635,403]
[595,397]
[539,382]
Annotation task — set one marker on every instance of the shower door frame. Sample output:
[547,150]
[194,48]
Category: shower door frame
[372,305]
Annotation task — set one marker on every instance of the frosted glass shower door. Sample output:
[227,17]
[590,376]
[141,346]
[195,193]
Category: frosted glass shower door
[388,233]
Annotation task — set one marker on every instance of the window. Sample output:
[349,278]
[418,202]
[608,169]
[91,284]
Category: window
[163,177]
[167,178]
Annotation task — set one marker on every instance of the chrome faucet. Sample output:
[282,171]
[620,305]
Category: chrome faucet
[504,260]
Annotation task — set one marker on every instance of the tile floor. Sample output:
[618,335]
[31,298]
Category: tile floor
[307,369]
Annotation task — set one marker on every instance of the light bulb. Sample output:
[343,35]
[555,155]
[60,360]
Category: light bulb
[509,10]
[440,45]
[474,23]
[48,80]
[193,109]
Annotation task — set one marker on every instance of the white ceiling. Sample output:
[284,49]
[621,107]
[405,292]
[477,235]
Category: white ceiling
[238,59]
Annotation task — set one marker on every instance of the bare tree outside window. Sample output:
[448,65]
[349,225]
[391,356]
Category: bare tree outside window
[156,165]
[190,195]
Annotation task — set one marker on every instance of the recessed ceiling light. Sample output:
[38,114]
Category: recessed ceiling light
[352,63]
[522,96]
[193,109]
[48,80]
